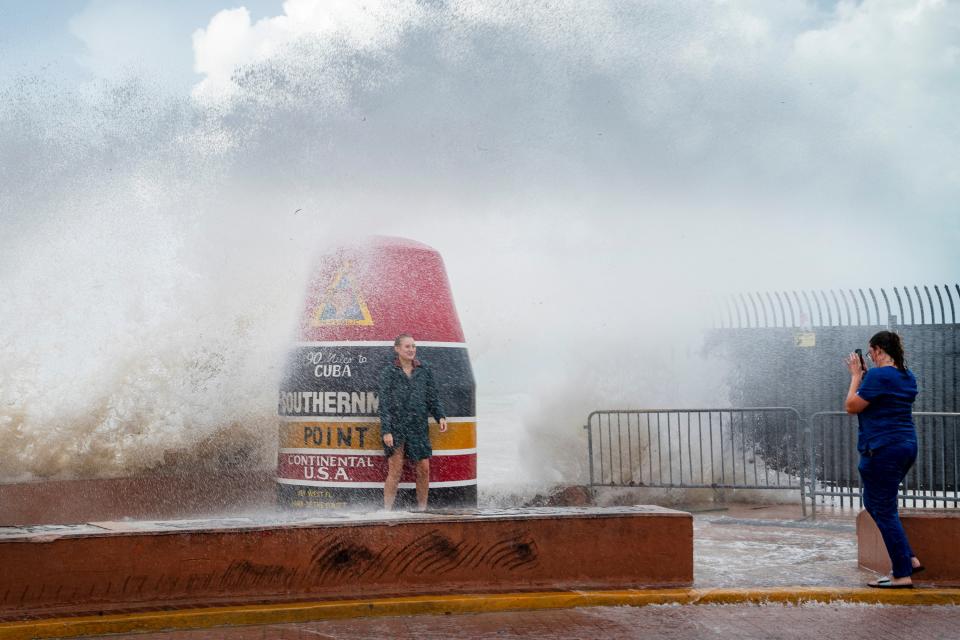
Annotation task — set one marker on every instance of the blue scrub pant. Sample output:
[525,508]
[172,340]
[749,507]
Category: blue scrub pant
[882,471]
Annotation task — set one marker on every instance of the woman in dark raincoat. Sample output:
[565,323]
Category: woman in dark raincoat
[408,396]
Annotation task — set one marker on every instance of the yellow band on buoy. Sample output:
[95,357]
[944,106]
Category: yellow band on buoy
[461,434]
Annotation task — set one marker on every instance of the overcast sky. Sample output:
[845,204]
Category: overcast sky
[850,103]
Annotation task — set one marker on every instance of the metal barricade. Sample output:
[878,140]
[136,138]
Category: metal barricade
[750,448]
[933,481]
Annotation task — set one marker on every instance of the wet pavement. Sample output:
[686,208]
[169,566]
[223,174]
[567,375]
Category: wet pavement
[739,546]
[674,622]
[768,546]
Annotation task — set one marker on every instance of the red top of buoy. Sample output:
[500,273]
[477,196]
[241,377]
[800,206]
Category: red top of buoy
[378,289]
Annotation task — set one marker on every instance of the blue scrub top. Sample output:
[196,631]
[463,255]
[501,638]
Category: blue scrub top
[889,416]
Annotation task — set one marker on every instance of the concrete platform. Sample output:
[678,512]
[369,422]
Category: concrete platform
[934,537]
[762,564]
[183,494]
[106,567]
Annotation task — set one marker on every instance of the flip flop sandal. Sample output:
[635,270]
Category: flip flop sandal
[919,569]
[885,583]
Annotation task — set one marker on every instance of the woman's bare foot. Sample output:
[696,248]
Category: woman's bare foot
[906,582]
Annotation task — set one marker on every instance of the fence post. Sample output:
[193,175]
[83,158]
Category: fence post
[813,465]
[803,432]
[589,447]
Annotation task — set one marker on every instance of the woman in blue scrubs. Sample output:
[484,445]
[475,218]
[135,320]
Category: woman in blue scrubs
[887,441]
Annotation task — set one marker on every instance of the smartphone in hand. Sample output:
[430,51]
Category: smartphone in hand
[863,365]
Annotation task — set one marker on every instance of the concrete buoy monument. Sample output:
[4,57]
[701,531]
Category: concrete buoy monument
[160,574]
[359,299]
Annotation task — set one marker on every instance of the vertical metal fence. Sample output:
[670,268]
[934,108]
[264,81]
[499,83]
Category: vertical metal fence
[932,482]
[763,448]
[818,328]
[750,448]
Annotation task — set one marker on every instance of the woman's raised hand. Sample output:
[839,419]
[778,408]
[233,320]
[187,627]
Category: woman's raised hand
[854,365]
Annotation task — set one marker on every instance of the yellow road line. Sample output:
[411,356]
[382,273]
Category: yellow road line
[454,604]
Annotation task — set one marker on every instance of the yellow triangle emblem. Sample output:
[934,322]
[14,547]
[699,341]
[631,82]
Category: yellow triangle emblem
[342,303]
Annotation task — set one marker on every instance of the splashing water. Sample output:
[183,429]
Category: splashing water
[593,175]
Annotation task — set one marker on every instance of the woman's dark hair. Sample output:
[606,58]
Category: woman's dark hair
[891,343]
[400,338]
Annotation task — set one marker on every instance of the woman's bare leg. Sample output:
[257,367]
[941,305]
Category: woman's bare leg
[394,468]
[423,483]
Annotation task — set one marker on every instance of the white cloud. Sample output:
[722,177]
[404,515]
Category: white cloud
[783,92]
[230,41]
